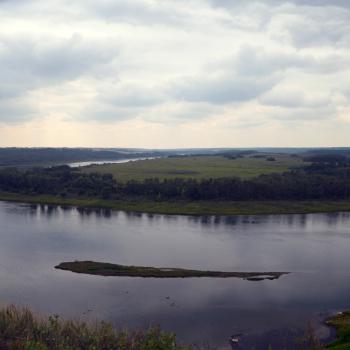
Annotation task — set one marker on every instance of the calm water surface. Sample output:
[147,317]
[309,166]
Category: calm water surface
[314,247]
[100,162]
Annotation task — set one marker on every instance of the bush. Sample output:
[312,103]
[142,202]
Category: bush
[21,330]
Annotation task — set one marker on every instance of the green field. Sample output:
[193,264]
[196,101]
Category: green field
[198,167]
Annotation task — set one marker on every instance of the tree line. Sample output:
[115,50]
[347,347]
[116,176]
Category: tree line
[60,180]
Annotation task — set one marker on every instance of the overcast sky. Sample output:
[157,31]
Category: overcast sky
[174,73]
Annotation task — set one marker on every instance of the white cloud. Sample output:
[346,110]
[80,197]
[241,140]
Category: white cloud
[232,64]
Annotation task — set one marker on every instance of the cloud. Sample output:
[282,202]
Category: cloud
[15,111]
[47,60]
[317,3]
[170,63]
[137,12]
[256,61]
[294,98]
[133,95]
[314,3]
[33,64]
[221,90]
[301,114]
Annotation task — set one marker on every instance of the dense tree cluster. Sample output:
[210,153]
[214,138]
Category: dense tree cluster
[60,180]
[287,186]
[318,181]
[329,159]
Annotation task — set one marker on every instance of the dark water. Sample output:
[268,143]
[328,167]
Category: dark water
[315,248]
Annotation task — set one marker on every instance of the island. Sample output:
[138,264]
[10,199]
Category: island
[108,269]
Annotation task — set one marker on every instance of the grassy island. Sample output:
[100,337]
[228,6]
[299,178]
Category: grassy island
[107,269]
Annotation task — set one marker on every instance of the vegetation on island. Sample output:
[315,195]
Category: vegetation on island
[107,269]
[20,329]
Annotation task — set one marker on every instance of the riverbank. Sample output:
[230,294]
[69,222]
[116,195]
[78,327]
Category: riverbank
[188,208]
[341,323]
[20,328]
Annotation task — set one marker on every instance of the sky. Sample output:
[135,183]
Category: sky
[174,73]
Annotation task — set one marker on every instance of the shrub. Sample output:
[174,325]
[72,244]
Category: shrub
[21,330]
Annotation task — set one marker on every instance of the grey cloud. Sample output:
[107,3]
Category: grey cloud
[15,111]
[132,96]
[44,61]
[256,61]
[27,65]
[121,102]
[307,23]
[294,99]
[106,113]
[137,12]
[222,90]
[182,112]
[304,114]
[320,28]
[52,59]
[315,3]
[252,73]
[337,3]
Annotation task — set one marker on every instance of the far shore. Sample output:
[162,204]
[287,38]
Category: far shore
[188,208]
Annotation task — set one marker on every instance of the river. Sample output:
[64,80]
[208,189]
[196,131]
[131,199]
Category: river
[314,248]
[110,161]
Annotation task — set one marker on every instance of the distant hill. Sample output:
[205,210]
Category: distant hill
[48,156]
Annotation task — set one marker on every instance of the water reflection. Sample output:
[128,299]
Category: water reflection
[95,212]
[314,247]
[297,221]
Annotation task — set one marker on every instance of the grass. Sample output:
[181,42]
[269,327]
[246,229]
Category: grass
[189,208]
[107,269]
[197,167]
[341,323]
[20,329]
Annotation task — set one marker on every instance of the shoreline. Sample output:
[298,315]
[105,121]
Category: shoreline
[188,208]
[339,324]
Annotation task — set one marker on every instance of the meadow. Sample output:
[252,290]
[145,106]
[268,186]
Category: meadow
[199,167]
